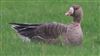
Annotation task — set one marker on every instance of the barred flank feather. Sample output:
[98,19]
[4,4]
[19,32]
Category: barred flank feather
[40,31]
[49,31]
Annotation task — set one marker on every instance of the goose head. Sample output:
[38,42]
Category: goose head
[76,12]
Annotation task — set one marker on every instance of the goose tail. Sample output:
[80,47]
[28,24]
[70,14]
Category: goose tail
[26,30]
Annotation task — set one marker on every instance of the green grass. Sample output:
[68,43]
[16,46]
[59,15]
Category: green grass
[46,11]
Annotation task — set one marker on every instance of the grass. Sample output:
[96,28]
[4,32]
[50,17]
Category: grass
[46,11]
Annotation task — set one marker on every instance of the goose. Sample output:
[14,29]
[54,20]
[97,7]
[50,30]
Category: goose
[49,32]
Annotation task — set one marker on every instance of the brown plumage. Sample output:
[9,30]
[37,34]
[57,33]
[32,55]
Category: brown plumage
[49,32]
[74,31]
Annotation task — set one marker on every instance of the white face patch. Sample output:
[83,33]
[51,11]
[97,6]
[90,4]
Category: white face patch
[71,10]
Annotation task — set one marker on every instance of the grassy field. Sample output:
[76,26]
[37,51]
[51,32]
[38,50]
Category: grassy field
[46,11]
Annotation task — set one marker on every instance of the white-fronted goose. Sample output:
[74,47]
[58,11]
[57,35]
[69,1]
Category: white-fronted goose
[49,32]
